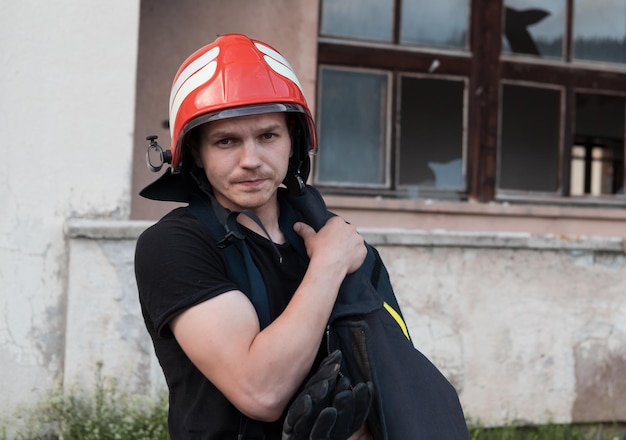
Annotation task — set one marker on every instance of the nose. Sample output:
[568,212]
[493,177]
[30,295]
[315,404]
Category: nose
[249,154]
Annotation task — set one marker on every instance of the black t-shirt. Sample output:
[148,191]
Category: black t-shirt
[178,265]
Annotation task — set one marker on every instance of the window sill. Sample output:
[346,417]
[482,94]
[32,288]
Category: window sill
[495,209]
[565,221]
[92,229]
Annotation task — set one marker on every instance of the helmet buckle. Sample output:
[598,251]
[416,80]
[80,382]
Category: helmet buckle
[163,156]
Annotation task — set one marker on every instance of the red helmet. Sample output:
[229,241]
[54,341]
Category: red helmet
[237,76]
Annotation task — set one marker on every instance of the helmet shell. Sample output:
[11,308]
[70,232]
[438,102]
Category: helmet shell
[236,76]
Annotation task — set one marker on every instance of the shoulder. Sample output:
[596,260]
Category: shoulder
[174,240]
[177,220]
[177,265]
[178,228]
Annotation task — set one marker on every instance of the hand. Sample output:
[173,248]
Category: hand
[328,409]
[347,415]
[316,395]
[338,244]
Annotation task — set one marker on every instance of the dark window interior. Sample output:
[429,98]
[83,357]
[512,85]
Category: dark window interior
[512,100]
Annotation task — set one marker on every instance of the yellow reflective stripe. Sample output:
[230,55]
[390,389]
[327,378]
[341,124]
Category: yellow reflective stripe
[398,319]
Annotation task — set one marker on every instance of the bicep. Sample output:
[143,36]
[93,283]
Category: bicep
[216,335]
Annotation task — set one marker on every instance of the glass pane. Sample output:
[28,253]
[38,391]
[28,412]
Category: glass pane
[367,19]
[439,23]
[431,133]
[529,142]
[352,127]
[597,165]
[534,27]
[600,30]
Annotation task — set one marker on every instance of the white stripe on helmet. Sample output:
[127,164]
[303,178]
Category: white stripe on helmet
[279,64]
[194,75]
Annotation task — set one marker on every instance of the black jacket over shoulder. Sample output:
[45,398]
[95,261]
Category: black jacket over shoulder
[412,398]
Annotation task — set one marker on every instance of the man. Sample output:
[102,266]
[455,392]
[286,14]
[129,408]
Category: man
[270,317]
[237,116]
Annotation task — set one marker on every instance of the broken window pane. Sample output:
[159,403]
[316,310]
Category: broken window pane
[597,165]
[599,30]
[431,133]
[534,27]
[352,127]
[441,23]
[366,19]
[529,138]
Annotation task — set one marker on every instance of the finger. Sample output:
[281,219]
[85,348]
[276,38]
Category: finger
[328,369]
[298,413]
[316,394]
[324,424]
[344,404]
[323,381]
[333,358]
[303,230]
[363,395]
[343,384]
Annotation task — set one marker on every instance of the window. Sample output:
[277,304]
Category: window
[431,133]
[529,138]
[534,27]
[597,163]
[440,24]
[599,31]
[359,19]
[353,102]
[519,100]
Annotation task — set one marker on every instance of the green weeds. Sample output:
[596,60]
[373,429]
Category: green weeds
[108,413]
[547,432]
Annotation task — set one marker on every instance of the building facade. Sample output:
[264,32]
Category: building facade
[478,144]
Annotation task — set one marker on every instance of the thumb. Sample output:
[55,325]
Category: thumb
[303,230]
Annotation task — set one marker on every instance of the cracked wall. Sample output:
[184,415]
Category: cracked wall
[532,335]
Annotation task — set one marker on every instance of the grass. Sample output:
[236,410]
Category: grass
[107,413]
[547,432]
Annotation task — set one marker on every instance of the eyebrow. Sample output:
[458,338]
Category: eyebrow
[222,134]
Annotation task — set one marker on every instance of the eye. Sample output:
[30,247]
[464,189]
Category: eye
[225,142]
[268,136]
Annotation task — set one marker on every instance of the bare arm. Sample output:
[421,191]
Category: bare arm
[259,371]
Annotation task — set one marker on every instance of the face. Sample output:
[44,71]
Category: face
[245,159]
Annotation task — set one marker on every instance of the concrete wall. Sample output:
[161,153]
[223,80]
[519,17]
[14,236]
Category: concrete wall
[67,97]
[527,327]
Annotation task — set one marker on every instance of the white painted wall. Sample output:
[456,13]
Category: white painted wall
[67,94]
[526,327]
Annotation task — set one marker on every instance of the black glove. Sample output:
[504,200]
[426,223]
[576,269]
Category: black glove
[347,414]
[316,395]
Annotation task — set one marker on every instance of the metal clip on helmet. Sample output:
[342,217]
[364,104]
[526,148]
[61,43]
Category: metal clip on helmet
[233,76]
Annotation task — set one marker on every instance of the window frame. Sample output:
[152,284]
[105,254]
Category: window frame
[485,68]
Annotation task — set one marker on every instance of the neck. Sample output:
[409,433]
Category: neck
[269,217]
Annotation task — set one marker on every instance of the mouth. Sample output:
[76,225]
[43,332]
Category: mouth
[250,183]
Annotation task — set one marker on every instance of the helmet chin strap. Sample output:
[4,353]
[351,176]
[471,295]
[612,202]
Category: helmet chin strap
[294,183]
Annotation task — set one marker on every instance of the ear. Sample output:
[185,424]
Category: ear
[193,146]
[291,128]
[196,156]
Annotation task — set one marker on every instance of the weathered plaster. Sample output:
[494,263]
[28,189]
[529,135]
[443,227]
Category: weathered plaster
[66,118]
[525,329]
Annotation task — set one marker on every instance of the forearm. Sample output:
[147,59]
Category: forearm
[259,371]
[283,365]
